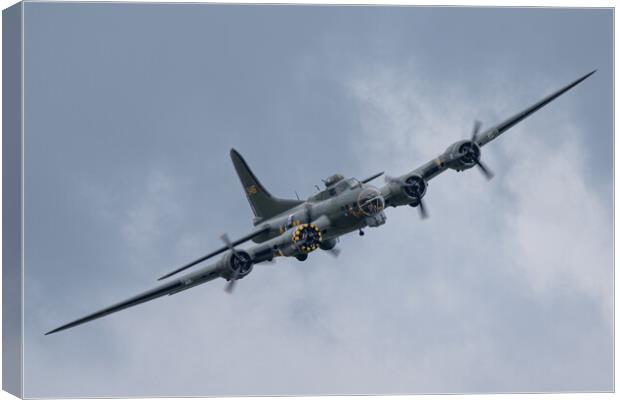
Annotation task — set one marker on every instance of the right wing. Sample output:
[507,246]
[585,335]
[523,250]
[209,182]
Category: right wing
[464,154]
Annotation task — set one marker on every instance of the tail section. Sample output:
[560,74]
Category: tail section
[263,204]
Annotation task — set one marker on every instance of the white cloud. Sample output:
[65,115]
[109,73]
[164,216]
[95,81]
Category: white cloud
[562,230]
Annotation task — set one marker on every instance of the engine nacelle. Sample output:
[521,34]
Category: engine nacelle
[237,264]
[461,155]
[414,188]
[300,239]
[306,237]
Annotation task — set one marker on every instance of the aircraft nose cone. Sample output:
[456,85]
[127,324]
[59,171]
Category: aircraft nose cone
[370,201]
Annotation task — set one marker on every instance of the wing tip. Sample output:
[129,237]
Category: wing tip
[54,331]
[586,76]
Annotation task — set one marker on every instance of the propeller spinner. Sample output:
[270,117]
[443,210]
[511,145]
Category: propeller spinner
[470,152]
[414,187]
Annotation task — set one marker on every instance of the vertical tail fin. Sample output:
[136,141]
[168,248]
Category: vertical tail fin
[263,204]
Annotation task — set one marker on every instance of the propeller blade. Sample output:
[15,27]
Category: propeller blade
[423,212]
[477,126]
[230,287]
[228,243]
[231,284]
[390,179]
[334,252]
[485,170]
[308,209]
[216,252]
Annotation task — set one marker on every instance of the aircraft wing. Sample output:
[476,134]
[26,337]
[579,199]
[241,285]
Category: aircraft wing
[434,168]
[201,276]
[216,252]
[490,134]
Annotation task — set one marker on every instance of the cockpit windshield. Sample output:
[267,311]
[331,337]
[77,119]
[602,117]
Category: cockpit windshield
[343,185]
[337,188]
[348,183]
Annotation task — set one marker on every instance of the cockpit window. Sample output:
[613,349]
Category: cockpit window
[336,188]
[349,183]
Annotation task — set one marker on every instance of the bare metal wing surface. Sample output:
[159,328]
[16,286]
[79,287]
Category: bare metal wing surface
[295,228]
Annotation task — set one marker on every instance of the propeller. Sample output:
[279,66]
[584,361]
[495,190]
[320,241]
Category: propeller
[334,252]
[308,212]
[308,218]
[239,262]
[413,185]
[231,283]
[474,135]
[423,212]
[216,252]
[476,156]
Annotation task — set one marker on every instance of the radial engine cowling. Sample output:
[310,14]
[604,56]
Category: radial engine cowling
[462,155]
[237,264]
[307,237]
[414,188]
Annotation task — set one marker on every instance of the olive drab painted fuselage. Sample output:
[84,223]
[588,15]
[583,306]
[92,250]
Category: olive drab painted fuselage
[338,208]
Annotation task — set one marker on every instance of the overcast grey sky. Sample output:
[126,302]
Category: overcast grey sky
[131,110]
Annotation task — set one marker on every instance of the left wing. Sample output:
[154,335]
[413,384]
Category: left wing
[464,154]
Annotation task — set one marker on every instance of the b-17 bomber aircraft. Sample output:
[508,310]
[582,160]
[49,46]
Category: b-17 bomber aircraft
[296,228]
